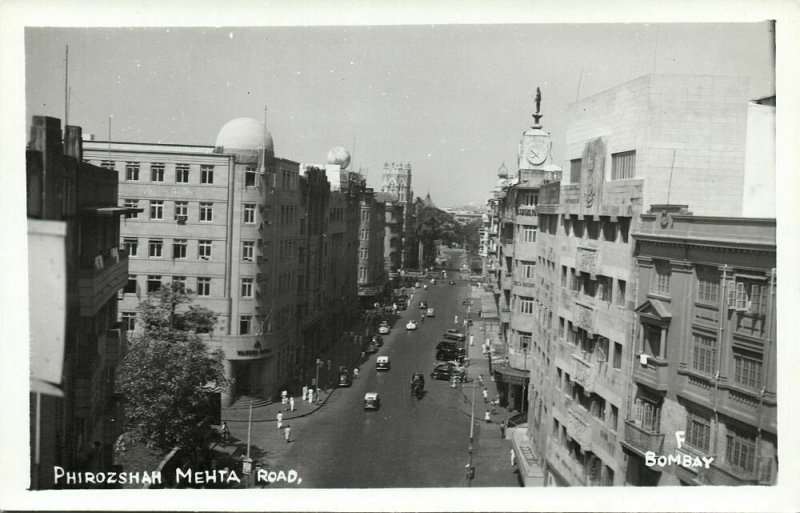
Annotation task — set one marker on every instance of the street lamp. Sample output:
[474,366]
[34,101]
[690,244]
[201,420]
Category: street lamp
[319,364]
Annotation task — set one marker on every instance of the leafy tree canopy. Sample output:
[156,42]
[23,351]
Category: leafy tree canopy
[166,374]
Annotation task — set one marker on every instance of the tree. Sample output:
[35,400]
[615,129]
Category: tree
[431,224]
[168,373]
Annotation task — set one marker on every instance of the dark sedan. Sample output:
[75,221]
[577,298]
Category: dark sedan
[454,335]
[449,345]
[446,371]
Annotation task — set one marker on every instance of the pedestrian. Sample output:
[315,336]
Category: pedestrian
[480,379]
[486,417]
[291,403]
[305,392]
[310,395]
[513,457]
[287,433]
[502,429]
[471,340]
[465,324]
[494,404]
[355,373]
[485,395]
[279,416]
[226,433]
[455,320]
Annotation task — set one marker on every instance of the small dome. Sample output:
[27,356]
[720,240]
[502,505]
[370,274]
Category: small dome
[340,156]
[243,134]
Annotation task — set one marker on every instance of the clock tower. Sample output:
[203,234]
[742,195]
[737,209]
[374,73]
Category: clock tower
[535,146]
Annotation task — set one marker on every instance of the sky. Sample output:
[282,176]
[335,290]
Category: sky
[453,100]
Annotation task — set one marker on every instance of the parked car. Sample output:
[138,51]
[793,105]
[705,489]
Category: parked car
[454,335]
[372,347]
[467,302]
[446,355]
[449,345]
[411,325]
[372,401]
[423,305]
[345,380]
[378,340]
[452,282]
[431,312]
[446,370]
[400,304]
[382,363]
[383,329]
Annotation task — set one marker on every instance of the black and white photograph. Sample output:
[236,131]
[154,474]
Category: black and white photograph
[399,258]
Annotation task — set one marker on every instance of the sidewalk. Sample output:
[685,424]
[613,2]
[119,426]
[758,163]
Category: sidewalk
[491,454]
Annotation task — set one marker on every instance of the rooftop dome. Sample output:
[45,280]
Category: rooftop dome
[243,134]
[340,156]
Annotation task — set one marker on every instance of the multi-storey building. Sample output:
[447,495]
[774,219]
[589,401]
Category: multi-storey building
[561,258]
[399,199]
[704,349]
[75,347]
[227,221]
[372,276]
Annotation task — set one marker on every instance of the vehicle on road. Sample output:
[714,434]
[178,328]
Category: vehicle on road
[446,370]
[372,347]
[450,346]
[454,335]
[372,401]
[431,313]
[467,302]
[417,384]
[452,282]
[445,355]
[423,305]
[345,380]
[411,325]
[378,340]
[382,363]
[383,329]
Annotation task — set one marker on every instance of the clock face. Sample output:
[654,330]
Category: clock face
[537,151]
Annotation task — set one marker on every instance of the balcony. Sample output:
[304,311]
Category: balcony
[101,281]
[567,466]
[654,374]
[641,441]
[585,318]
[580,427]
[526,210]
[587,260]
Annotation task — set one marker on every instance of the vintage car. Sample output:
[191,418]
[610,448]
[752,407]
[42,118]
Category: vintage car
[372,401]
[344,379]
[382,363]
[431,312]
[411,325]
[452,346]
[446,371]
[423,305]
[454,335]
[383,329]
[378,340]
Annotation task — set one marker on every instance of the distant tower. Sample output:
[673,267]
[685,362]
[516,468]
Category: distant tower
[397,183]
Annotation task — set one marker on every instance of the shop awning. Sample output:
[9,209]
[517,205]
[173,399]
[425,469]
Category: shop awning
[511,375]
[112,211]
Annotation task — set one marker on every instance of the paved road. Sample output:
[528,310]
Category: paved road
[408,442]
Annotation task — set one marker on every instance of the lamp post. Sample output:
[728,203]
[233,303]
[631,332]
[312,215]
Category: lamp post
[470,471]
[316,394]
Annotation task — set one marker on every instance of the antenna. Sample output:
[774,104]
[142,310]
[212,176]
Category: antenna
[578,91]
[109,136]
[671,167]
[66,89]
[353,154]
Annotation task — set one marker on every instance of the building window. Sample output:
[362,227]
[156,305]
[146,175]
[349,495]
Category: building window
[128,320]
[181,173]
[204,287]
[575,171]
[244,324]
[704,353]
[621,292]
[748,296]
[740,451]
[131,203]
[364,215]
[179,248]
[647,414]
[250,176]
[179,283]
[204,249]
[206,212]
[107,164]
[530,199]
[132,171]
[181,210]
[564,276]
[156,209]
[707,284]
[617,355]
[698,431]
[157,172]
[364,235]
[206,174]
[605,284]
[362,274]
[248,250]
[249,216]
[528,234]
[747,368]
[609,231]
[524,340]
[131,247]
[247,287]
[525,305]
[153,283]
[662,274]
[156,246]
[623,165]
[363,253]
[624,227]
[528,269]
[652,340]
[130,287]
